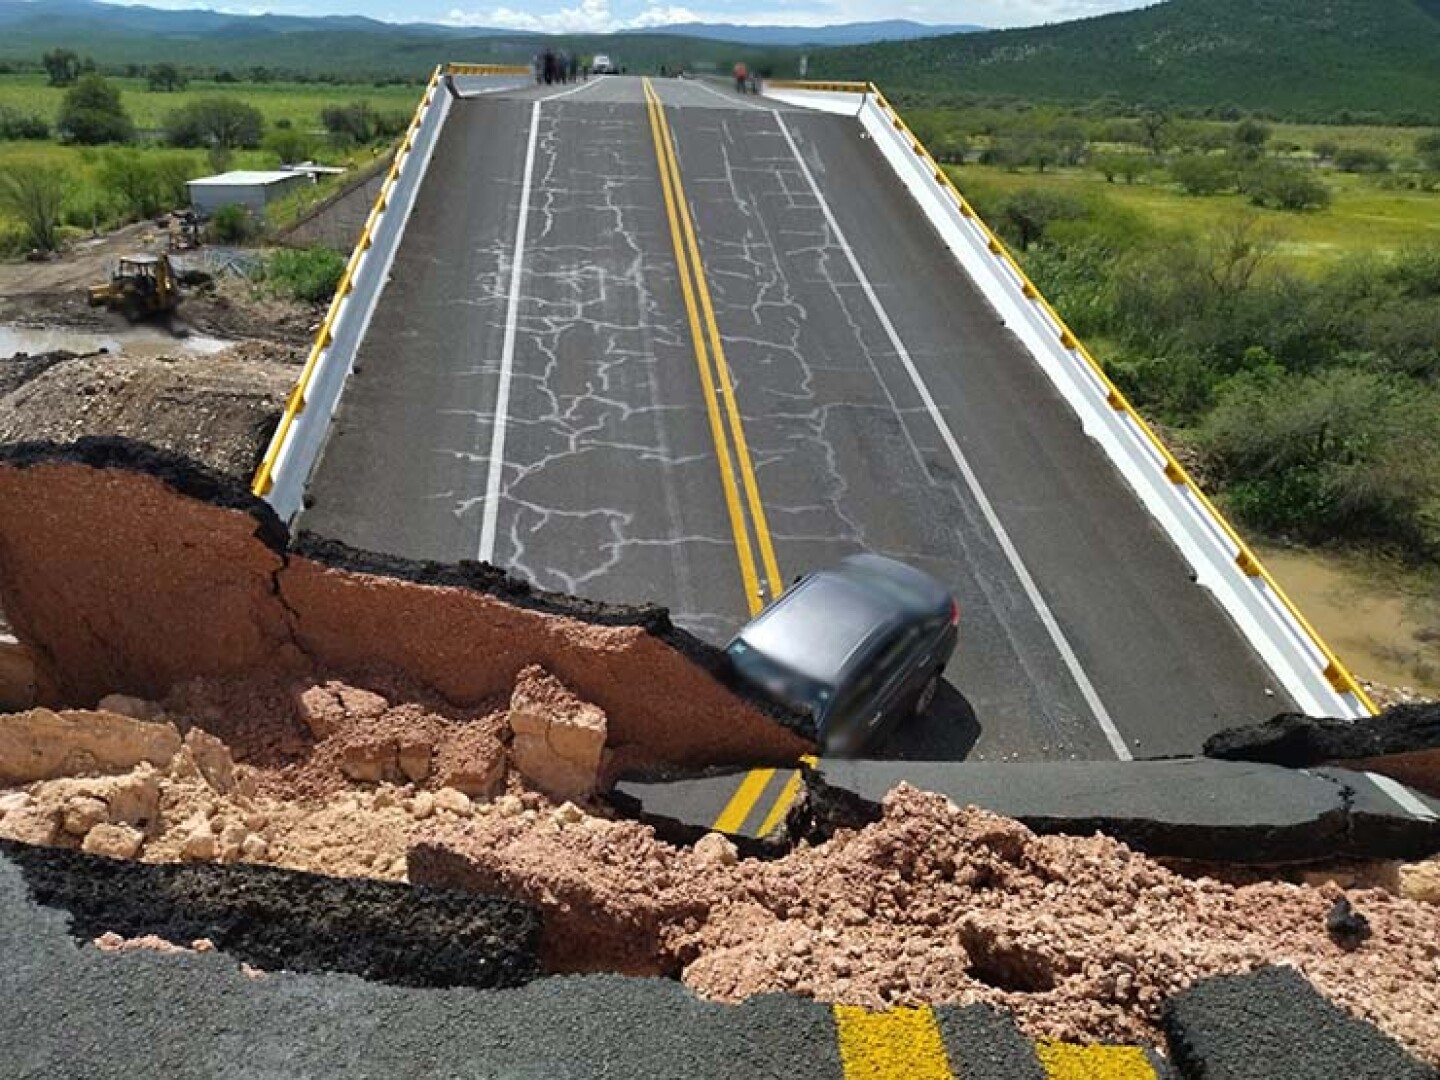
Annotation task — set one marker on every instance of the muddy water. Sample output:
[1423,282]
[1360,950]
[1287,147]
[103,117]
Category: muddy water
[1384,629]
[132,340]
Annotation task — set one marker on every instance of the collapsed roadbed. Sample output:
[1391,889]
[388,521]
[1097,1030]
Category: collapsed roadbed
[230,706]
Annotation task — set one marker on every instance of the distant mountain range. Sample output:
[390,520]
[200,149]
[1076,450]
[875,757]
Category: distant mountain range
[859,33]
[1323,60]
[59,18]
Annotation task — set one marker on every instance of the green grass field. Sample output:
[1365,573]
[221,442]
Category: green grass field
[300,103]
[1362,218]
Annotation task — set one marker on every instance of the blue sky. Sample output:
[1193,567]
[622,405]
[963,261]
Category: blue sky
[605,15]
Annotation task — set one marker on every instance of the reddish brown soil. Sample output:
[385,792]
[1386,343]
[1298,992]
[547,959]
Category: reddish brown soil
[118,584]
[469,647]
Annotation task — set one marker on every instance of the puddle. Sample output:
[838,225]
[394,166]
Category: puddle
[133,341]
[1382,631]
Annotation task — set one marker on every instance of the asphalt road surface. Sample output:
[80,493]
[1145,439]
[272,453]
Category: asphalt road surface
[835,336]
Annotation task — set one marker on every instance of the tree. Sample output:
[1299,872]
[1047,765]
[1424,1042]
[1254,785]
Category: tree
[1251,134]
[1029,212]
[35,196]
[62,66]
[91,113]
[166,77]
[1428,149]
[949,148]
[215,122]
[1155,128]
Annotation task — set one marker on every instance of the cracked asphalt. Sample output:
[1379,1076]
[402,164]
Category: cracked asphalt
[610,487]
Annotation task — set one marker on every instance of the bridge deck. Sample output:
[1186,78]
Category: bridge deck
[610,486]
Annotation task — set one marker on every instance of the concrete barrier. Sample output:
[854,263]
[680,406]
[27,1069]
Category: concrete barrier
[305,423]
[1222,562]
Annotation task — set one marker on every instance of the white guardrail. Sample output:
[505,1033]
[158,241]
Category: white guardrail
[1222,562]
[300,436]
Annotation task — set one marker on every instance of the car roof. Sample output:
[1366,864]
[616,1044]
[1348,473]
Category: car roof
[831,616]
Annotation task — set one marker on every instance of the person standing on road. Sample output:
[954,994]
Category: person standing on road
[742,76]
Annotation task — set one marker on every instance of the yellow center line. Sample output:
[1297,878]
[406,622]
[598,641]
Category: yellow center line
[726,383]
[743,801]
[744,551]
[1068,1061]
[717,385]
[902,1044]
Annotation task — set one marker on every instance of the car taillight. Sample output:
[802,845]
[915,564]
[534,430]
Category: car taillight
[954,613]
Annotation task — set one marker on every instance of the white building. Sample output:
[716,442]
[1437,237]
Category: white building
[250,189]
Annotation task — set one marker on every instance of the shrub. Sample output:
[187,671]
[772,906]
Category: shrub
[1362,159]
[15,125]
[288,146]
[144,184]
[232,224]
[215,121]
[1340,453]
[308,274]
[35,196]
[1203,174]
[1427,148]
[1284,187]
[352,123]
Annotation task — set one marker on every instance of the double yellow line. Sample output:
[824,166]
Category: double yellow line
[736,469]
[715,381]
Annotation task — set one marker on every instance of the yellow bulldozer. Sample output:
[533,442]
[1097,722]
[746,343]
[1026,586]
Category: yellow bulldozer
[140,286]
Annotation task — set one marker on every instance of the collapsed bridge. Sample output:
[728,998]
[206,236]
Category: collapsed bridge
[656,339]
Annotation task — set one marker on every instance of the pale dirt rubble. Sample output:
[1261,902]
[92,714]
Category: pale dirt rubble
[41,744]
[559,740]
[1082,938]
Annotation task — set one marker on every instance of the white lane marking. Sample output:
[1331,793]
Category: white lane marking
[507,353]
[729,99]
[1042,609]
[572,90]
[1403,797]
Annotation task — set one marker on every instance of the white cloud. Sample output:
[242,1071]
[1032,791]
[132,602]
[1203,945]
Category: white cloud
[589,17]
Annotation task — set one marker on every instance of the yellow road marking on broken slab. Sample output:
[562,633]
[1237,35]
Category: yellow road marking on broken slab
[902,1044]
[1067,1061]
[782,803]
[743,801]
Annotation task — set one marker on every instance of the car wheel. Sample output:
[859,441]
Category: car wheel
[927,695]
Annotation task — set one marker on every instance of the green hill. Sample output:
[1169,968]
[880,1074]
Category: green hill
[1296,59]
[354,49]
